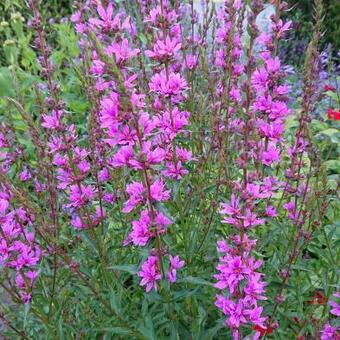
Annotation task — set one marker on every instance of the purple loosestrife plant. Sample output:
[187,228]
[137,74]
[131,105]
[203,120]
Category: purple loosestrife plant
[141,134]
[262,128]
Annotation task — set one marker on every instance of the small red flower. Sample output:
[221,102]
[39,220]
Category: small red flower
[333,115]
[329,88]
[321,299]
[300,337]
[296,319]
[262,330]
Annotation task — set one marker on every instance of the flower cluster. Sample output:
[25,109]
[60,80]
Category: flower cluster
[19,249]
[71,166]
[228,58]
[264,98]
[139,127]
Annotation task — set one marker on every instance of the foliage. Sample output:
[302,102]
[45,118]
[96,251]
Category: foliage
[14,14]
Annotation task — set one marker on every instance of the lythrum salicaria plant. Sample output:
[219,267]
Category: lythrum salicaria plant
[150,132]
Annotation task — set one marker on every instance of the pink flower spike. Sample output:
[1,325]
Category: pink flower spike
[122,157]
[136,192]
[164,50]
[231,208]
[171,86]
[335,306]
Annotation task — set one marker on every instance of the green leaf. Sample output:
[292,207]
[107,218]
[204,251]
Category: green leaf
[116,330]
[148,331]
[333,164]
[143,39]
[279,284]
[333,134]
[183,293]
[89,242]
[196,281]
[6,85]
[211,332]
[129,268]
[332,95]
[301,267]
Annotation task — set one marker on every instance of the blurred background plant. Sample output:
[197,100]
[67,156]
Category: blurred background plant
[301,13]
[13,33]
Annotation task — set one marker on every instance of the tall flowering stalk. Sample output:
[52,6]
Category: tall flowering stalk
[19,249]
[141,141]
[298,190]
[261,127]
[168,88]
[70,160]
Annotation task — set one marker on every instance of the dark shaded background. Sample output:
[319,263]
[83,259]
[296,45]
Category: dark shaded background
[301,13]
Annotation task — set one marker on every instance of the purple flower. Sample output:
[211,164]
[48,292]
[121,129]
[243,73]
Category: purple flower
[26,257]
[136,193]
[191,61]
[25,175]
[330,333]
[106,22]
[52,121]
[167,86]
[174,171]
[234,311]
[122,157]
[250,219]
[146,227]
[158,192]
[150,273]
[254,316]
[175,264]
[4,204]
[231,208]
[233,270]
[271,155]
[121,51]
[164,50]
[335,306]
[80,195]
[271,211]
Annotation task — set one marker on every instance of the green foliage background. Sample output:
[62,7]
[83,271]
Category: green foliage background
[50,9]
[303,11]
